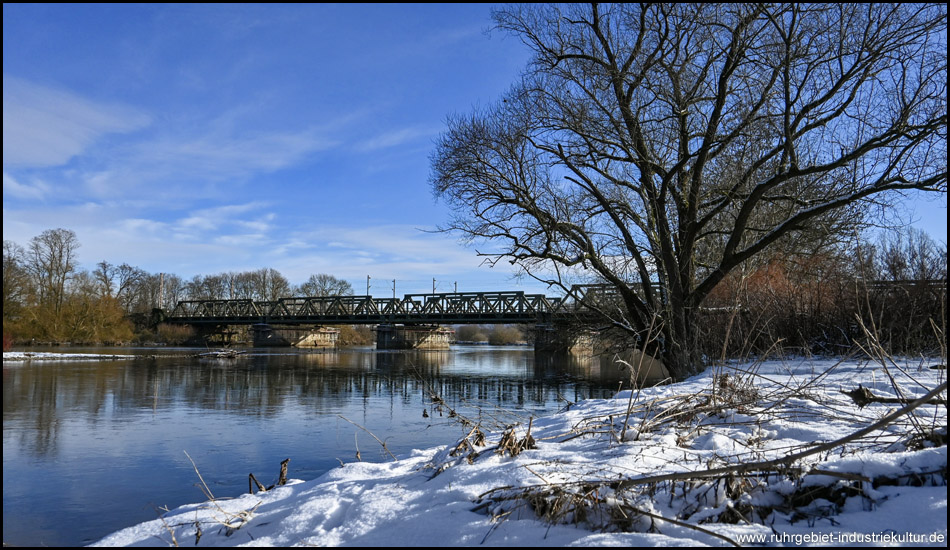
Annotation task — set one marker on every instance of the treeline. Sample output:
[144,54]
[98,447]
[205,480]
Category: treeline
[893,290]
[495,335]
[49,297]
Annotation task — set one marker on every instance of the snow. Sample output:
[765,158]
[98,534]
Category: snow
[51,356]
[883,490]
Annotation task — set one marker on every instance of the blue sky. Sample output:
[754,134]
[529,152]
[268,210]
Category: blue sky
[199,139]
[196,139]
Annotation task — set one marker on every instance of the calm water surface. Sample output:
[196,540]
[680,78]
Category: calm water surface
[92,446]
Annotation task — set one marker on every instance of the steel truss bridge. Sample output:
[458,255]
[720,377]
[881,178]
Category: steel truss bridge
[449,308]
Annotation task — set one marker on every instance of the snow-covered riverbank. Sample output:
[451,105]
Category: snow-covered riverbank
[595,475]
[53,356]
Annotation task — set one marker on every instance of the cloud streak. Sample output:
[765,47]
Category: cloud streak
[216,157]
[36,190]
[395,138]
[44,126]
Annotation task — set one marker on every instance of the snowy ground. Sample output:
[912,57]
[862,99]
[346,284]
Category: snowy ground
[598,476]
[51,356]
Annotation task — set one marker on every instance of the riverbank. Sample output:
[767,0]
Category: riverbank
[53,356]
[655,467]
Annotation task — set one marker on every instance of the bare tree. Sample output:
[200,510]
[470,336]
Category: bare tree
[673,143]
[15,280]
[911,255]
[207,287]
[167,289]
[269,284]
[104,275]
[51,262]
[123,282]
[325,285]
[245,285]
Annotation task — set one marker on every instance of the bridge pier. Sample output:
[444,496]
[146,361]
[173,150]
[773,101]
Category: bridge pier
[608,350]
[264,335]
[563,339]
[432,337]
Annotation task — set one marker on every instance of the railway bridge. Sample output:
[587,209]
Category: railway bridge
[413,321]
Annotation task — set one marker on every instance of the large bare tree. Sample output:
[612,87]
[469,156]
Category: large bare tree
[673,143]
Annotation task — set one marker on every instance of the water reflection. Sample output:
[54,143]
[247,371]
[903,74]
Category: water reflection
[40,395]
[125,422]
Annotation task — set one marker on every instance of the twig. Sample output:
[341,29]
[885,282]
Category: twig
[206,490]
[242,518]
[167,528]
[383,444]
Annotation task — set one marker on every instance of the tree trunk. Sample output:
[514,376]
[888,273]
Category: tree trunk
[682,353]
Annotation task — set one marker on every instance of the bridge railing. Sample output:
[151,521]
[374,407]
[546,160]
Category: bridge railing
[481,303]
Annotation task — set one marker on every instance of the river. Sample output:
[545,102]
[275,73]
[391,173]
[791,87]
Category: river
[92,446]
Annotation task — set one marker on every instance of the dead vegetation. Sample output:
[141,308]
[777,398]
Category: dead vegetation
[760,482]
[729,490]
[214,513]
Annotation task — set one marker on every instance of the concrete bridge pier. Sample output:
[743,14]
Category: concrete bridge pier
[264,335]
[432,337]
[563,339]
[603,348]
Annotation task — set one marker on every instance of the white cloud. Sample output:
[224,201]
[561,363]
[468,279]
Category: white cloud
[43,126]
[195,163]
[245,237]
[400,251]
[395,138]
[35,190]
[217,219]
[218,157]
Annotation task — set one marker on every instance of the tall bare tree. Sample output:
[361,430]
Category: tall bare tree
[673,143]
[15,280]
[51,261]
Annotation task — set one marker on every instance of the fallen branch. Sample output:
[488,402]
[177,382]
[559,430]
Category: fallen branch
[863,397]
[250,487]
[682,524]
[790,459]
[281,479]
